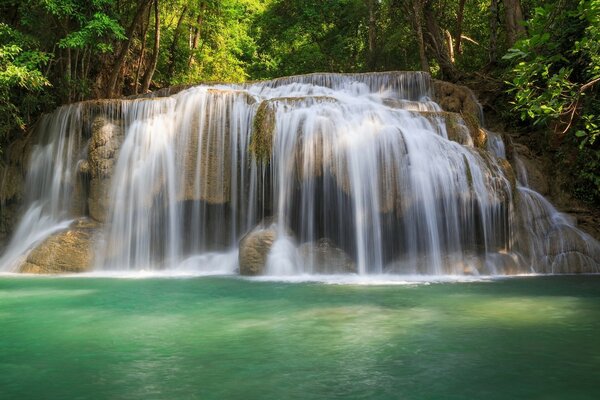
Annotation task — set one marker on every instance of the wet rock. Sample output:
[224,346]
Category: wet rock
[71,250]
[531,170]
[254,249]
[206,151]
[99,199]
[19,151]
[573,262]
[263,131]
[325,258]
[107,137]
[12,183]
[456,129]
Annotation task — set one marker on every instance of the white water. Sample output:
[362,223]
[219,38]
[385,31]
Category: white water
[50,183]
[353,159]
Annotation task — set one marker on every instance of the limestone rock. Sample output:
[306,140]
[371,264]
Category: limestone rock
[107,137]
[71,250]
[19,151]
[206,151]
[12,183]
[531,170]
[254,249]
[456,98]
[326,258]
[261,142]
[99,199]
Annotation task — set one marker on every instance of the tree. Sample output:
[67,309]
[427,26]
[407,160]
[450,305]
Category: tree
[556,79]
[20,70]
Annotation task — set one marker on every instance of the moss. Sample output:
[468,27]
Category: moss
[451,120]
[304,100]
[453,127]
[225,92]
[479,136]
[261,142]
[509,172]
[469,173]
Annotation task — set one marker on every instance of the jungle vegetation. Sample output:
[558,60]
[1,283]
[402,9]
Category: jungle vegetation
[543,55]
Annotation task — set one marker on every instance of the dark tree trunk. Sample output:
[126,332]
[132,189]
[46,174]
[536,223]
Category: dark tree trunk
[371,58]
[118,65]
[173,48]
[144,33]
[437,45]
[152,66]
[459,21]
[514,21]
[414,10]
[494,23]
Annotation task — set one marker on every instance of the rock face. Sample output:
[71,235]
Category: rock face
[254,249]
[107,137]
[456,98]
[12,186]
[71,250]
[530,170]
[326,258]
[460,128]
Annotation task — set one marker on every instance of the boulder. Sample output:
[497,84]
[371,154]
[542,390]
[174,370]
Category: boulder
[456,98]
[325,258]
[254,249]
[71,250]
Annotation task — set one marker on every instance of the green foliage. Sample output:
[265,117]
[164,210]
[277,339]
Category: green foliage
[19,71]
[96,32]
[554,79]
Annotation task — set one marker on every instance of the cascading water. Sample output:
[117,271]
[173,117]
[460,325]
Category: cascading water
[346,173]
[49,190]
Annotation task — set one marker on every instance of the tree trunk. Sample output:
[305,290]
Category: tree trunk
[68,74]
[414,9]
[437,45]
[449,45]
[196,37]
[118,65]
[173,49]
[458,34]
[514,21]
[494,22]
[144,33]
[152,66]
[372,35]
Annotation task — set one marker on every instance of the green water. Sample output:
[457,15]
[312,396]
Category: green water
[227,338]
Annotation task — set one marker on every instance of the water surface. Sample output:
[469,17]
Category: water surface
[230,338]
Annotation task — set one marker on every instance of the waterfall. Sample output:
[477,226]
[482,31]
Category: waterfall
[50,181]
[362,172]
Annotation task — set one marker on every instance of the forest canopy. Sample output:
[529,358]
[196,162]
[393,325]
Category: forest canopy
[544,55]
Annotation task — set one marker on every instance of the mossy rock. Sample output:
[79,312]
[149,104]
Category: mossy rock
[254,250]
[478,135]
[68,251]
[263,132]
[455,98]
[12,180]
